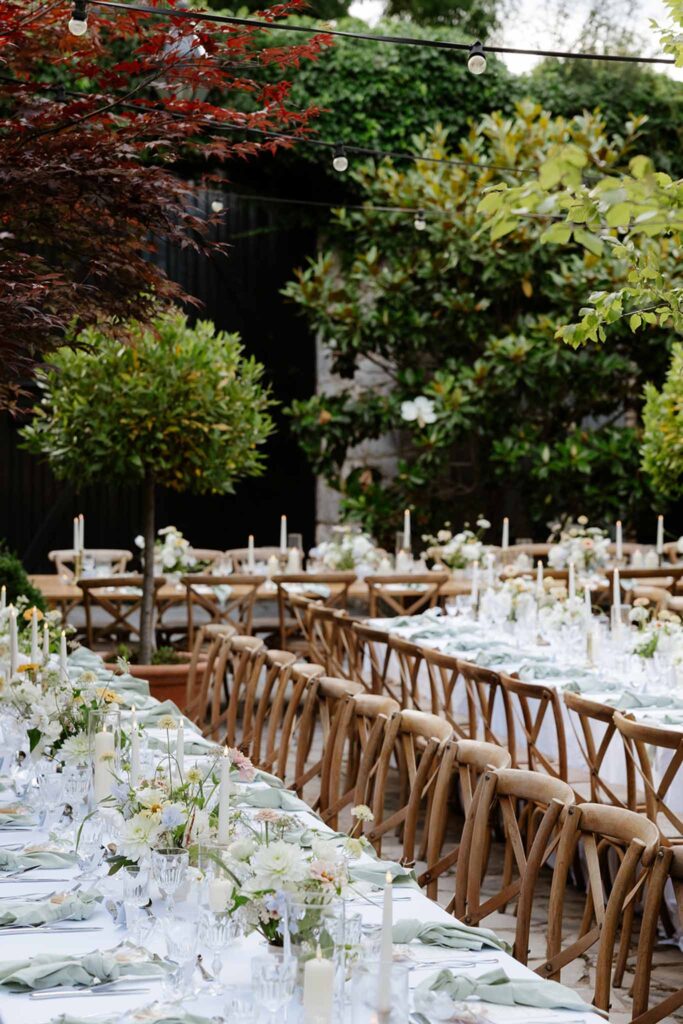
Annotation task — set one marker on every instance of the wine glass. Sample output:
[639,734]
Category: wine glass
[217,931]
[89,837]
[169,871]
[135,883]
[273,978]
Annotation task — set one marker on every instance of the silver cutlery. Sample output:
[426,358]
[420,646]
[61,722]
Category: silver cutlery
[40,929]
[100,986]
[88,993]
[17,879]
[29,896]
[453,961]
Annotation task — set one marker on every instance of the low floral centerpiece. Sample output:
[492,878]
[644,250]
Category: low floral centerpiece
[349,549]
[457,550]
[172,553]
[587,547]
[655,630]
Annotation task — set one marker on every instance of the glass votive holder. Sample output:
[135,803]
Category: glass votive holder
[380,992]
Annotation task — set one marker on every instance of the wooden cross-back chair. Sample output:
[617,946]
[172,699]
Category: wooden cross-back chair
[236,607]
[445,679]
[485,695]
[113,606]
[604,833]
[317,724]
[377,661]
[412,739]
[331,641]
[639,739]
[409,657]
[462,764]
[240,556]
[535,551]
[597,733]
[531,806]
[207,556]
[279,704]
[208,649]
[115,559]
[253,673]
[356,740]
[337,584]
[667,869]
[404,594]
[534,706]
[666,577]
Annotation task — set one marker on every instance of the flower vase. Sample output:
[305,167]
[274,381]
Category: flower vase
[315,921]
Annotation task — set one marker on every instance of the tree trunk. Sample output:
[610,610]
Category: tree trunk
[147,610]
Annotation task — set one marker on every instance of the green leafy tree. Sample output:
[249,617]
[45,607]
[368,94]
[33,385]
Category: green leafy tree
[466,320]
[662,448]
[473,17]
[324,9]
[177,406]
[15,579]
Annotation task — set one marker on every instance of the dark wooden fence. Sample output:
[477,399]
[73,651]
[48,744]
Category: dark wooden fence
[239,292]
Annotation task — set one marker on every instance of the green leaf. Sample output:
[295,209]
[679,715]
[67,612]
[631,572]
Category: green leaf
[619,215]
[589,241]
[557,233]
[550,174]
[503,227]
[635,322]
[640,166]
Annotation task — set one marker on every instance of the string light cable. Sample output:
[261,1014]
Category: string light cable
[475,52]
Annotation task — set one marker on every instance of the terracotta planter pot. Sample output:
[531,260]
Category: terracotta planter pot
[167,682]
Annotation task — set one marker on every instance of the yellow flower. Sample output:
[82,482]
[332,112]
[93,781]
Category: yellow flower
[30,612]
[108,696]
[30,666]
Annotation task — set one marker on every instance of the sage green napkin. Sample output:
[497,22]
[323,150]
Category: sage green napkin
[497,987]
[453,935]
[630,699]
[375,874]
[19,817]
[155,1014]
[277,799]
[673,719]
[51,969]
[65,907]
[27,858]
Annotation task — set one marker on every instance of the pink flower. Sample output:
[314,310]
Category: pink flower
[267,815]
[245,768]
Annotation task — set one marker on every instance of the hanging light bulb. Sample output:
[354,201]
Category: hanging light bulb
[420,221]
[217,206]
[476,61]
[78,25]
[340,161]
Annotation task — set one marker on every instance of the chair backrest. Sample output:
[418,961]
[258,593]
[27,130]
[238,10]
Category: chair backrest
[666,577]
[639,739]
[225,598]
[118,601]
[208,648]
[464,761]
[209,556]
[336,585]
[489,704]
[538,711]
[535,551]
[240,556]
[319,717]
[413,739]
[668,869]
[115,558]
[404,594]
[409,657]
[445,682]
[280,702]
[246,658]
[531,806]
[598,732]
[602,832]
[331,640]
[356,741]
[377,660]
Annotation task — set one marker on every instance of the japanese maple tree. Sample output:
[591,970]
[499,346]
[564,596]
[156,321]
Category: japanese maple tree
[92,131]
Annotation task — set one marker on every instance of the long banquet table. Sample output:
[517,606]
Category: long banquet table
[409,902]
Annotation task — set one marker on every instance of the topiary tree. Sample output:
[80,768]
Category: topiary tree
[15,579]
[177,406]
[662,448]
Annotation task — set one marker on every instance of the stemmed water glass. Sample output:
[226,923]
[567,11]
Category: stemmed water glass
[273,977]
[181,948]
[90,836]
[217,931]
[169,871]
[135,883]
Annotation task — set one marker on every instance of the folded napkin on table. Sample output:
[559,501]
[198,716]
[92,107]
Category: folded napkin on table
[453,935]
[154,1014]
[376,873]
[35,856]
[51,969]
[15,814]
[497,987]
[277,799]
[630,699]
[76,906]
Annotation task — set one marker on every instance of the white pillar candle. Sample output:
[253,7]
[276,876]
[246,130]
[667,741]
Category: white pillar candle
[407,536]
[81,533]
[273,566]
[134,749]
[660,535]
[619,541]
[505,542]
[588,606]
[224,793]
[251,563]
[35,650]
[46,643]
[283,534]
[76,535]
[571,582]
[104,777]
[63,666]
[218,894]
[293,560]
[539,581]
[180,745]
[386,953]
[489,571]
[616,601]
[13,641]
[475,586]
[318,990]
[3,597]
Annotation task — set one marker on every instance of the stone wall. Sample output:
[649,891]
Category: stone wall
[381,454]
